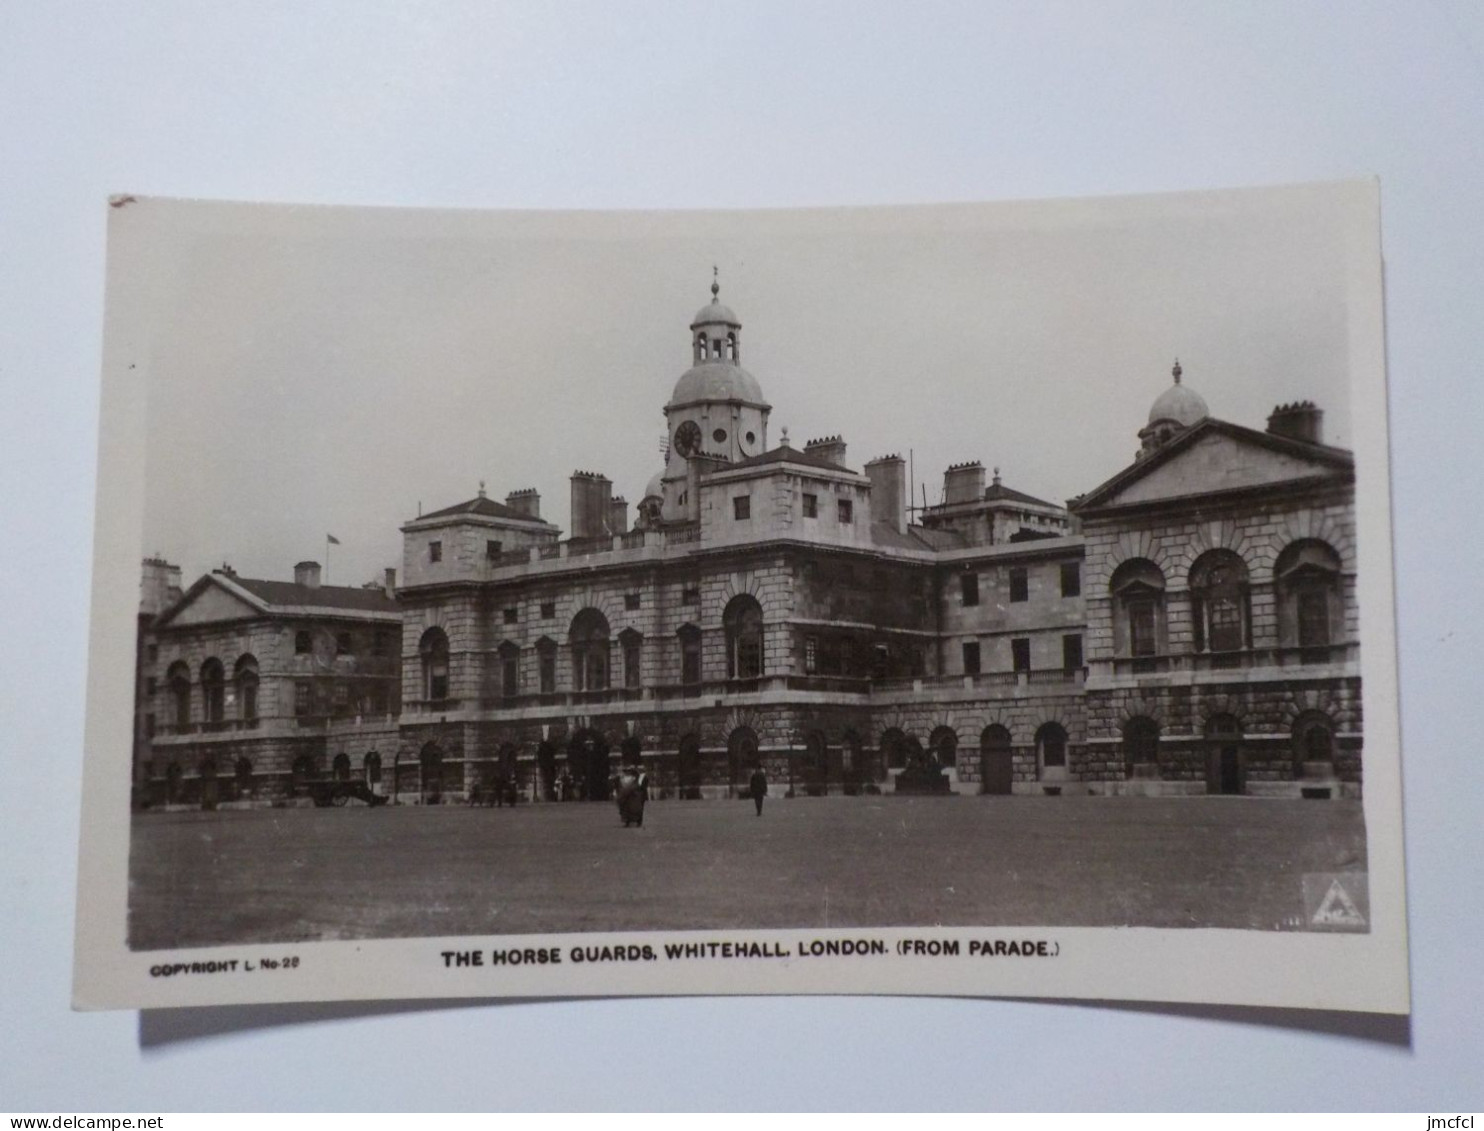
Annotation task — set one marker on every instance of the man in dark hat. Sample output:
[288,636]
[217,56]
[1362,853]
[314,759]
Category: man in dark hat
[757,787]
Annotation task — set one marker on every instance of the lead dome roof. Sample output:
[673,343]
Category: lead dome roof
[717,381]
[1179,403]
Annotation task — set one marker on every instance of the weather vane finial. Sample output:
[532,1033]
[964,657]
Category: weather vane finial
[715,282]
[1175,372]
[481,488]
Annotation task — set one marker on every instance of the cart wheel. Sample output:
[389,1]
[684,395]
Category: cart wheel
[340,799]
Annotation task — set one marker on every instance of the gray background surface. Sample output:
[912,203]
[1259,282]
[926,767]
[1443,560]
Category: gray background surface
[709,105]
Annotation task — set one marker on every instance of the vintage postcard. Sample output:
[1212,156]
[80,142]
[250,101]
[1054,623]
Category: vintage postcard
[981,599]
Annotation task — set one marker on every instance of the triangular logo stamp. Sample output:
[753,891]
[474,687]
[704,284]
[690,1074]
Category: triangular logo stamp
[1337,909]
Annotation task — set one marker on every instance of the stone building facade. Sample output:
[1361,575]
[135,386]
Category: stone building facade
[253,689]
[1187,627]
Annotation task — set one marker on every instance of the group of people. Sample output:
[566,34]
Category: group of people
[631,788]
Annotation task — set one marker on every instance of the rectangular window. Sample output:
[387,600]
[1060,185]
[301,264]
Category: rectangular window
[811,506]
[342,698]
[968,585]
[548,673]
[435,551]
[302,643]
[690,660]
[1020,586]
[1141,628]
[690,597]
[1313,617]
[1071,651]
[492,549]
[510,615]
[548,610]
[1020,654]
[1071,579]
[344,646]
[811,655]
[971,657]
[303,699]
[510,677]
[847,511]
[152,652]
[631,601]
[381,642]
[742,507]
[149,726]
[632,673]
[379,700]
[150,685]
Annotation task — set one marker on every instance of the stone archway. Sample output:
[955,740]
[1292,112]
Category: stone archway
[688,768]
[996,760]
[588,763]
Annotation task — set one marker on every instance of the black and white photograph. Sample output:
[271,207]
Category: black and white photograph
[917,598]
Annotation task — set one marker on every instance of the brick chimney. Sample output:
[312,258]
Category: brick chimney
[618,515]
[592,497]
[963,483]
[1302,420]
[159,587]
[888,476]
[526,501]
[830,448]
[307,575]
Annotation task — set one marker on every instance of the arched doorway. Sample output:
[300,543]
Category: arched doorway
[742,759]
[546,766]
[894,748]
[1051,752]
[688,768]
[299,774]
[173,774]
[1225,772]
[430,777]
[340,767]
[943,743]
[816,765]
[587,761]
[209,793]
[996,760]
[1141,747]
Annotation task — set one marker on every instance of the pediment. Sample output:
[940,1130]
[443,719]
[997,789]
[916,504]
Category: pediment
[1218,457]
[210,602]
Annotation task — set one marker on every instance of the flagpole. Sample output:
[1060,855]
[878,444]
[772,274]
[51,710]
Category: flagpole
[327,559]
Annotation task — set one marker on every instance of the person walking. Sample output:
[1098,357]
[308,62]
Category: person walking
[757,786]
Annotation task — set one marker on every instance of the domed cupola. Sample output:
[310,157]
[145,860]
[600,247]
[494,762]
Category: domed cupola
[717,410]
[1173,411]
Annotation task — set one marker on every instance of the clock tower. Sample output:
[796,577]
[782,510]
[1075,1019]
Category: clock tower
[717,410]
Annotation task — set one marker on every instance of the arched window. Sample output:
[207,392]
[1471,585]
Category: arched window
[690,653]
[731,345]
[996,760]
[242,776]
[631,641]
[701,347]
[816,765]
[301,771]
[245,675]
[509,669]
[179,679]
[943,743]
[743,620]
[341,767]
[371,768]
[1141,747]
[1051,750]
[716,349]
[1138,591]
[589,639]
[433,648]
[1220,605]
[1310,610]
[214,690]
[688,767]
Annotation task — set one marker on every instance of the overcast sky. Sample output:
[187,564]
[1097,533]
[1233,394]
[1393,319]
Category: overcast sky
[317,370]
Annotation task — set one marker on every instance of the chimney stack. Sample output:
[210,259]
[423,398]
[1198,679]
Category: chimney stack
[1302,420]
[618,515]
[963,483]
[888,476]
[159,586]
[526,501]
[830,448]
[389,582]
[307,575]
[592,498]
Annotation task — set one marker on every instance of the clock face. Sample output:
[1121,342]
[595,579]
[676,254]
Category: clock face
[688,439]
